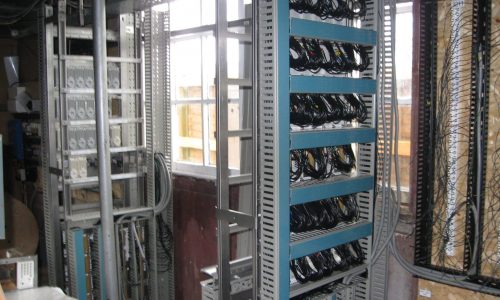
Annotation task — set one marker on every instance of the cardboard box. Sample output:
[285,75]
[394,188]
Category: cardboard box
[432,290]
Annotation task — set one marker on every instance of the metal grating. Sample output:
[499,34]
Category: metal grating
[378,283]
[50,206]
[481,31]
[427,88]
[269,221]
[150,32]
[157,39]
[70,248]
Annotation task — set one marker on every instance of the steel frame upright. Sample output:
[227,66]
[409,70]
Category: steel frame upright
[49,156]
[227,218]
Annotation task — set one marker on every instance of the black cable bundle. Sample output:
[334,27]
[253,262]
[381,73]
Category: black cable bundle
[347,208]
[316,163]
[358,107]
[319,109]
[321,163]
[318,265]
[331,9]
[302,270]
[299,221]
[323,214]
[357,250]
[343,158]
[333,57]
[308,109]
[352,252]
[295,165]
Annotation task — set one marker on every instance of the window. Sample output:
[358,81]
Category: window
[193,59]
[404,51]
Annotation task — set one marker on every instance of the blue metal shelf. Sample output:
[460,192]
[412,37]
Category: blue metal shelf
[331,239]
[318,190]
[331,85]
[334,137]
[327,31]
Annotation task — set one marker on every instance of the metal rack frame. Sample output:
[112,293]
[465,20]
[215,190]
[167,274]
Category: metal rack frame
[145,91]
[423,169]
[276,139]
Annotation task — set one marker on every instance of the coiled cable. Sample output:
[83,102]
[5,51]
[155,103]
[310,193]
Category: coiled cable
[321,163]
[331,9]
[319,109]
[331,56]
[324,214]
[319,265]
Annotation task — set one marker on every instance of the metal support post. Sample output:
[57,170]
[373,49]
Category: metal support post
[103,151]
[224,272]
[255,147]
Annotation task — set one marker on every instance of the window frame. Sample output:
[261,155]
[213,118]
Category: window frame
[204,170]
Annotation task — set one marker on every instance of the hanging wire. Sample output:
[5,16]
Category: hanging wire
[448,226]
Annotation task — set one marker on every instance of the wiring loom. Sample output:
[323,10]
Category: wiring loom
[331,9]
[322,264]
[320,109]
[334,57]
[323,214]
[321,163]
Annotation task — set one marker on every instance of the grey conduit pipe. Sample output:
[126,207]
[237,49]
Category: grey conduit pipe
[103,153]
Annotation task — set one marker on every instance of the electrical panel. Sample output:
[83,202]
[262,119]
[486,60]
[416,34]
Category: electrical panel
[19,272]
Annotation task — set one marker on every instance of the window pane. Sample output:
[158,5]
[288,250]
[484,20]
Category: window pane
[208,12]
[184,14]
[233,66]
[233,116]
[209,66]
[186,69]
[234,143]
[212,119]
[404,49]
[189,141]
[234,153]
[235,10]
[233,58]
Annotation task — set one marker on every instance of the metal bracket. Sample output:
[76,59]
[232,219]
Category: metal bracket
[237,217]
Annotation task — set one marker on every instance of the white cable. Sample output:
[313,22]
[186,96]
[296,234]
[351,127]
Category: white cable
[394,126]
[166,188]
[166,191]
[138,241]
